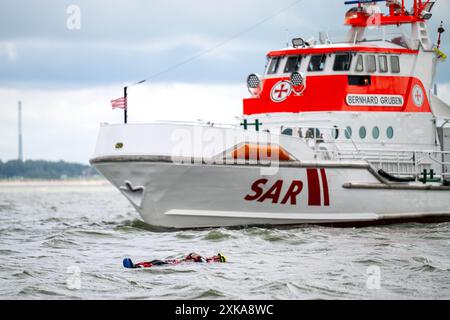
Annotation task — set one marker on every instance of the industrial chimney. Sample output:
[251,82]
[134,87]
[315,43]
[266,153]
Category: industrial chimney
[20,132]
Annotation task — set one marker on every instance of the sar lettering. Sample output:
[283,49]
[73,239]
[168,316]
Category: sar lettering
[275,193]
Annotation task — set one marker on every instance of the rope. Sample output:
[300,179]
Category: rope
[217,46]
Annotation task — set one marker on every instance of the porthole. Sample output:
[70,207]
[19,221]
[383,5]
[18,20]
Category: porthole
[376,133]
[335,133]
[348,132]
[362,132]
[390,132]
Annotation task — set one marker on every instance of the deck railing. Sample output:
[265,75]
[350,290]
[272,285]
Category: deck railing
[335,143]
[421,165]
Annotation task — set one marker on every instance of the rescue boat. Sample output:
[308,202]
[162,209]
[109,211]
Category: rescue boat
[344,132]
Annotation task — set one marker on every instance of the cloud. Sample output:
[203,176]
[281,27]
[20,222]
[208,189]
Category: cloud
[157,45]
[9,50]
[44,61]
[142,37]
[63,124]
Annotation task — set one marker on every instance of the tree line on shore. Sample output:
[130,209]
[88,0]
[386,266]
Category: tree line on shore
[41,169]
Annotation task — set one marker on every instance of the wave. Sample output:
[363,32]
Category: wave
[217,235]
[129,225]
[209,294]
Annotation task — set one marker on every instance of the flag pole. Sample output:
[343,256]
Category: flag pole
[125,96]
[125,110]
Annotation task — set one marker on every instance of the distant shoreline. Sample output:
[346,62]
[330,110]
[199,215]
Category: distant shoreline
[35,170]
[40,182]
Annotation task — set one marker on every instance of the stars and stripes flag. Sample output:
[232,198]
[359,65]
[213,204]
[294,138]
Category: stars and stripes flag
[120,103]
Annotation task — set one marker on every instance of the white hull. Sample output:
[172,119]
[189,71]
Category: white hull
[331,133]
[178,195]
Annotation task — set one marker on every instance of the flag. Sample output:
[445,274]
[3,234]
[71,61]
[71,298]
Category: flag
[120,103]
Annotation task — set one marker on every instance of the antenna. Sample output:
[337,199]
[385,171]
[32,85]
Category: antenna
[20,131]
[362,1]
[441,30]
[287,38]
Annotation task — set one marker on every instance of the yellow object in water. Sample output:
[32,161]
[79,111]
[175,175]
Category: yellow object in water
[222,258]
[440,54]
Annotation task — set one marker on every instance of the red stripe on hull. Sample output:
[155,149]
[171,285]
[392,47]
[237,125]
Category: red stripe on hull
[313,187]
[329,93]
[326,194]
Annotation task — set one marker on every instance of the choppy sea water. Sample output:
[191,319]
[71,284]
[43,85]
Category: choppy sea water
[66,241]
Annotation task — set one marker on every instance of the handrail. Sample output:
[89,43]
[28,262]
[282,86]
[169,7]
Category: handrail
[400,162]
[196,123]
[405,162]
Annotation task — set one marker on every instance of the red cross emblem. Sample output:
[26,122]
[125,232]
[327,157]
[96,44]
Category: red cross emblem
[418,96]
[281,91]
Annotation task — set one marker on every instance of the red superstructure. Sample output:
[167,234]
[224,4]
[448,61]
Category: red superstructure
[386,75]
[357,17]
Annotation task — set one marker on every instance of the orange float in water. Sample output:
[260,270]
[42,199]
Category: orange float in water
[261,152]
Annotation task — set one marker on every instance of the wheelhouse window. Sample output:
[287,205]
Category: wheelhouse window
[359,80]
[395,64]
[317,63]
[293,64]
[273,66]
[371,63]
[359,64]
[383,64]
[342,62]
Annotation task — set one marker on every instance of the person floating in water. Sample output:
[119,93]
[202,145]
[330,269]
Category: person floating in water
[192,257]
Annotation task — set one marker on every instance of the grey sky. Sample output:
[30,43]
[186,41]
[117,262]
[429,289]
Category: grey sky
[127,40]
[67,77]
